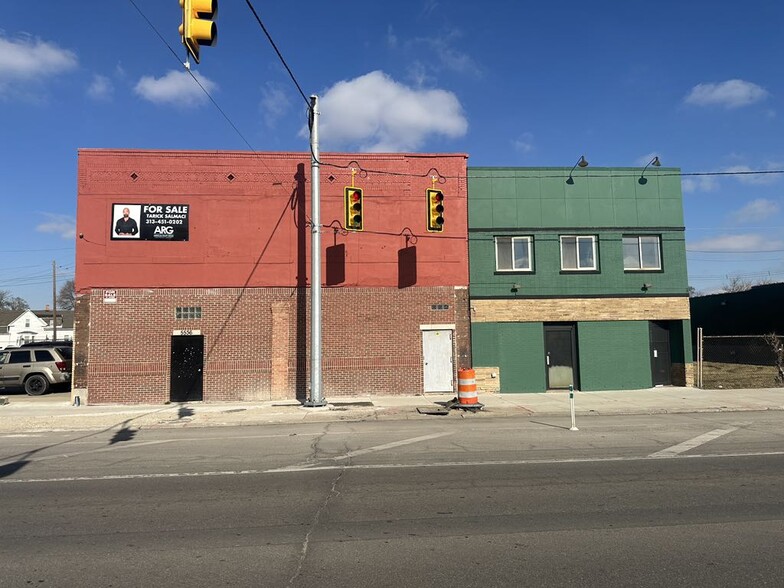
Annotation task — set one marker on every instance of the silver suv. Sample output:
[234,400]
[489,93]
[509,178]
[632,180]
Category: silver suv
[35,368]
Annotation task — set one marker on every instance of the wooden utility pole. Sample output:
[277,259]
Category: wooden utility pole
[54,301]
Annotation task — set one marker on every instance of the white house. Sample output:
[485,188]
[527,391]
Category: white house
[25,326]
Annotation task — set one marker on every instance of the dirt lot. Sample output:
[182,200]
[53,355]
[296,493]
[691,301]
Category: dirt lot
[737,375]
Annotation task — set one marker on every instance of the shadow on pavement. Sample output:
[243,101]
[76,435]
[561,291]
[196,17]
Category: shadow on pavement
[125,433]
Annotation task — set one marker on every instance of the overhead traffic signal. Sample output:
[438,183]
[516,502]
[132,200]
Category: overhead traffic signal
[353,207]
[435,210]
[198,25]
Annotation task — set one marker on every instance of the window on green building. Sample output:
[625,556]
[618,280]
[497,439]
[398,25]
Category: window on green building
[642,252]
[578,252]
[513,254]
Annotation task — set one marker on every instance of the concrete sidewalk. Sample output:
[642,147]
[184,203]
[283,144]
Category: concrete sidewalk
[54,412]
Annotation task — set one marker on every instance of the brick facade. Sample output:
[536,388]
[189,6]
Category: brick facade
[246,264]
[257,344]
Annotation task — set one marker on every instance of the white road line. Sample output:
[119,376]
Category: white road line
[692,443]
[392,445]
[101,450]
[382,467]
[312,465]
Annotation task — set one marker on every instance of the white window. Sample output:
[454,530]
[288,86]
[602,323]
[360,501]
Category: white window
[642,252]
[578,252]
[513,254]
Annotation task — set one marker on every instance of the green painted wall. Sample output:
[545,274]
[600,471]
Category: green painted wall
[605,202]
[614,355]
[599,197]
[517,349]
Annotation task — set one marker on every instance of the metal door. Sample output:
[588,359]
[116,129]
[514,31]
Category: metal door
[437,356]
[187,363]
[560,356]
[661,360]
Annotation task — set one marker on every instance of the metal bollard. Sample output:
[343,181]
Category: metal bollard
[571,406]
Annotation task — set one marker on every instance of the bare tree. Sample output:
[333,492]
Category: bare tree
[778,351]
[8,302]
[736,284]
[66,296]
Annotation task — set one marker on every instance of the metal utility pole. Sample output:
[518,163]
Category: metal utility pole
[54,301]
[316,396]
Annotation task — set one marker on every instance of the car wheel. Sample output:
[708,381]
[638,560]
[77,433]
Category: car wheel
[36,385]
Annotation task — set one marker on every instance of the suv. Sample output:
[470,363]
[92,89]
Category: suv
[35,368]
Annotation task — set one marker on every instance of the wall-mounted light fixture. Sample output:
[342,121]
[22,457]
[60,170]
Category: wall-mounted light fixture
[582,162]
[646,286]
[655,163]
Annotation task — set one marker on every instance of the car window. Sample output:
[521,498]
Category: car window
[43,355]
[19,357]
[3,356]
[66,352]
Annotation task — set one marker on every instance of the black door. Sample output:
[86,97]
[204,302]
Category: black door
[187,362]
[560,350]
[661,361]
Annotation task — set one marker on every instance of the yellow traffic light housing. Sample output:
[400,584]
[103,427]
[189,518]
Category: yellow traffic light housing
[353,208]
[198,26]
[435,210]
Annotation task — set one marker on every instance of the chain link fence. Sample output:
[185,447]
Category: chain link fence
[739,361]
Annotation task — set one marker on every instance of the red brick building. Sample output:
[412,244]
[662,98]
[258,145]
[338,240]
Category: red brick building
[203,292]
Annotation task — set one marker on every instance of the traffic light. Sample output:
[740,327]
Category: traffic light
[435,210]
[198,27]
[353,206]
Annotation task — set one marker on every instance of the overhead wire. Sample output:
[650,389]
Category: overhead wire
[277,51]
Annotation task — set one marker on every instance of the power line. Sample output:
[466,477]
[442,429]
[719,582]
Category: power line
[280,56]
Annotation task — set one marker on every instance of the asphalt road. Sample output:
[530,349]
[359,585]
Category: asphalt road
[669,500]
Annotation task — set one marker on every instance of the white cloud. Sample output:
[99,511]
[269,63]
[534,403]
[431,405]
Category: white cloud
[745,177]
[274,103]
[176,87]
[699,184]
[440,52]
[391,38]
[26,59]
[58,224]
[737,243]
[100,88]
[375,113]
[524,144]
[729,94]
[429,7]
[451,58]
[756,210]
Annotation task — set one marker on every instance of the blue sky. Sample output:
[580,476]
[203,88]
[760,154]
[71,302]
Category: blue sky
[511,83]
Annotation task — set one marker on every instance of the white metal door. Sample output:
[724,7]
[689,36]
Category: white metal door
[437,355]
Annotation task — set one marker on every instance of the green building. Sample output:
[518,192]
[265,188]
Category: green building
[578,278]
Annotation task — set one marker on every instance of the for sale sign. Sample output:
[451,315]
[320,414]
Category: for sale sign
[150,222]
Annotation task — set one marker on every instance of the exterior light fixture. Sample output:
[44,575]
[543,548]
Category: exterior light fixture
[582,162]
[646,286]
[655,163]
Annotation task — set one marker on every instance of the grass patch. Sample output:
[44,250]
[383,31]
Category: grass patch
[738,375]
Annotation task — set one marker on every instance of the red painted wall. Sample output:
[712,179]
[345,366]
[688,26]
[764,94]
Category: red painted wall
[248,220]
